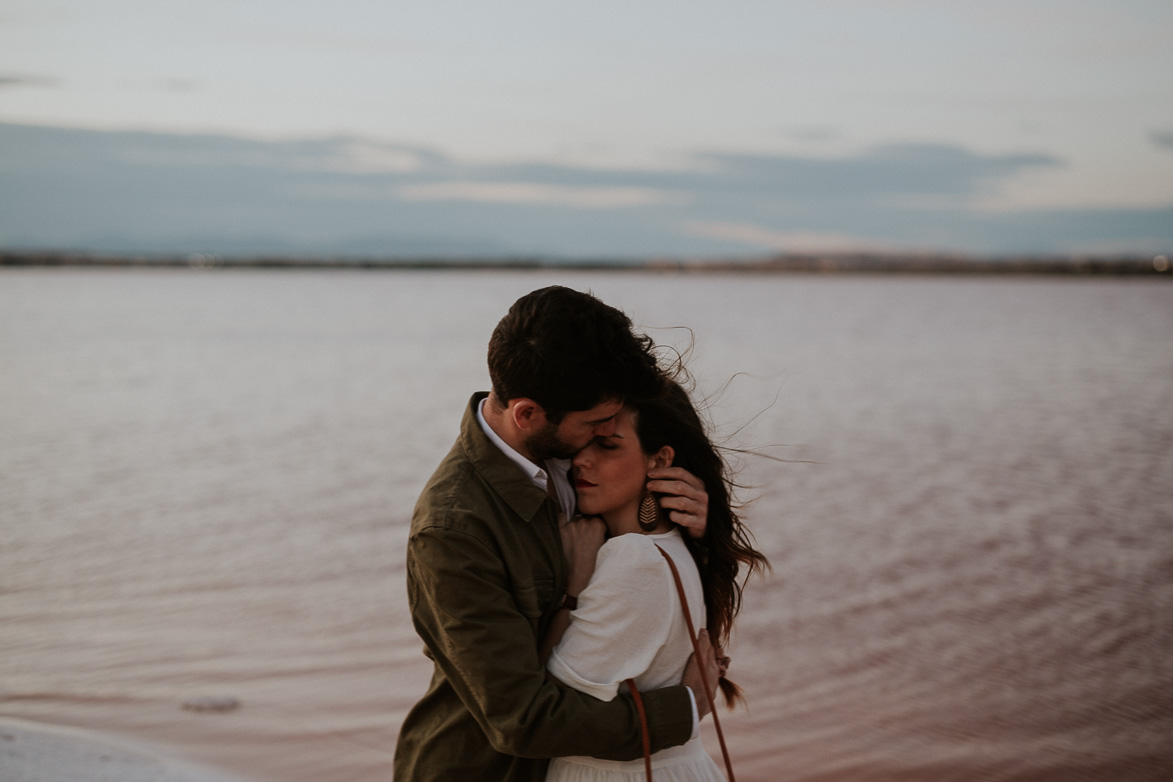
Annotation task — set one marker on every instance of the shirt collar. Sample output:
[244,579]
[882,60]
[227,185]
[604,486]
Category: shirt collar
[539,476]
[535,473]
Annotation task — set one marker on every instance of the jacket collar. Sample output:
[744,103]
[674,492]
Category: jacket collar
[508,479]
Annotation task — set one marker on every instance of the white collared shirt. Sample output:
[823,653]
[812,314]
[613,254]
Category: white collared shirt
[558,468]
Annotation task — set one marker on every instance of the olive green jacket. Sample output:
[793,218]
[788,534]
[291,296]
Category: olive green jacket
[485,575]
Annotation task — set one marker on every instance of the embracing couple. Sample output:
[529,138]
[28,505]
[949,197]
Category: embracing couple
[535,616]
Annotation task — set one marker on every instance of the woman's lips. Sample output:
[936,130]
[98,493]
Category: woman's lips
[583,484]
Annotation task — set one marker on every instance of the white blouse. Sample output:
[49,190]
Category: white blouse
[629,623]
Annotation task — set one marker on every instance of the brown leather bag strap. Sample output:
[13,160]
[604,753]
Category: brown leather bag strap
[643,726]
[699,656]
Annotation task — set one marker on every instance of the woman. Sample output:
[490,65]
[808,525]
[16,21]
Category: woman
[629,622]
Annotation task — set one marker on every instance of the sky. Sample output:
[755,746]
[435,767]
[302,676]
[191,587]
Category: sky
[603,129]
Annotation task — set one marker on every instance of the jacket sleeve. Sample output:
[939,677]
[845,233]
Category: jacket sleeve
[483,640]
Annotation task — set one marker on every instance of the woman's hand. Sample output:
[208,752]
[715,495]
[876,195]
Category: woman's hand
[582,537]
[684,498]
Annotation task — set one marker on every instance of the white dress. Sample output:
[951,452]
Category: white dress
[629,624]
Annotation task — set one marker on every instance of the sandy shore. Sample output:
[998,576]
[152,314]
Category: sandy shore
[32,752]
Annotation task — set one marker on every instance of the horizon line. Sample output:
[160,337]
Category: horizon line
[824,263]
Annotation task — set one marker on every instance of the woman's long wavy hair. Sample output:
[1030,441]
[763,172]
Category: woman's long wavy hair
[671,419]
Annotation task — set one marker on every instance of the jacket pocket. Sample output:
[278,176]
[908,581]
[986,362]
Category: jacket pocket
[536,598]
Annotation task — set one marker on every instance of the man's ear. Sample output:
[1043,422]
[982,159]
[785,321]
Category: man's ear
[526,413]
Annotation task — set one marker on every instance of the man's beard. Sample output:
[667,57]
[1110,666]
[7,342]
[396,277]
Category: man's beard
[545,444]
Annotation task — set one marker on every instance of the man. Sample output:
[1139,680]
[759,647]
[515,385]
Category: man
[487,572]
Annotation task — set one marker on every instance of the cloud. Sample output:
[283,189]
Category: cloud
[787,241]
[539,194]
[361,156]
[810,133]
[177,151]
[895,169]
[144,192]
[1162,138]
[25,80]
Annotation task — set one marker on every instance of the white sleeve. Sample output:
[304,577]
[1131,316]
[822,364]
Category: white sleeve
[622,620]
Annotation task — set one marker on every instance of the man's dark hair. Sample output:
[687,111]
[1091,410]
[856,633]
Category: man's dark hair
[567,351]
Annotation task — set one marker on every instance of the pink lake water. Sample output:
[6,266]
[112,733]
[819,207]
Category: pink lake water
[206,480]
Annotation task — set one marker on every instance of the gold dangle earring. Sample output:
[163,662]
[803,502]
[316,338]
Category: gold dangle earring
[649,513]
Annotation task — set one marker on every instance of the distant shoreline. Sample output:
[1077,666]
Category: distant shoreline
[847,263]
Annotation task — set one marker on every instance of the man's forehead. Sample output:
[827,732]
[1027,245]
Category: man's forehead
[600,413]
